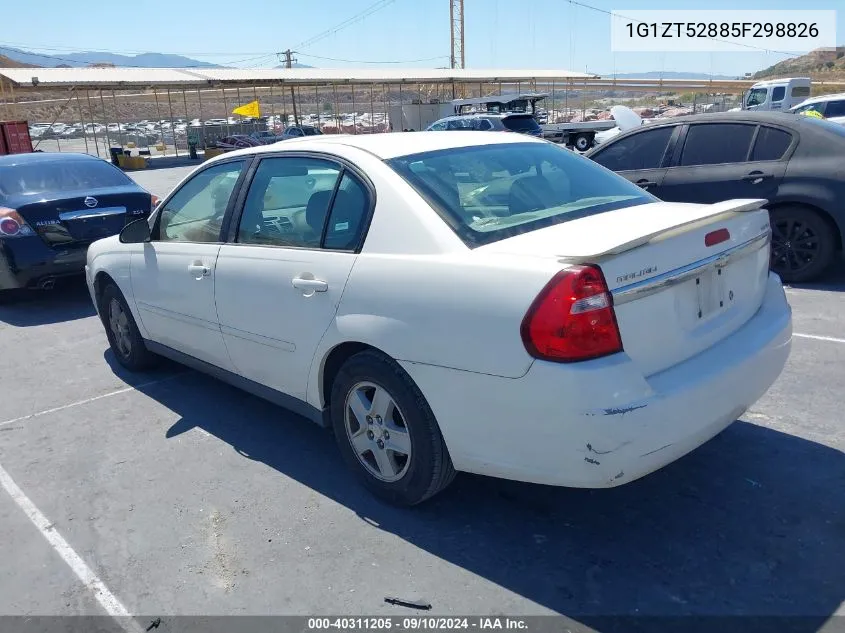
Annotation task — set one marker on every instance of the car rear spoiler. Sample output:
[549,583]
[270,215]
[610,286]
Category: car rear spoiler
[661,229]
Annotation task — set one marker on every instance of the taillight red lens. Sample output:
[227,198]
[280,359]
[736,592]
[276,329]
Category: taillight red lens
[13,225]
[9,227]
[572,319]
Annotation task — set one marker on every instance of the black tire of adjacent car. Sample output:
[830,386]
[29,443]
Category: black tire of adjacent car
[583,142]
[139,357]
[804,222]
[431,468]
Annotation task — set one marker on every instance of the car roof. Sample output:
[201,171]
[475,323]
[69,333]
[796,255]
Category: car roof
[34,158]
[387,145]
[745,116]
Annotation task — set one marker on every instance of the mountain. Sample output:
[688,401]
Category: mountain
[820,64]
[8,62]
[144,60]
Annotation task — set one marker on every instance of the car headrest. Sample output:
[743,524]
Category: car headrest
[315,211]
[530,194]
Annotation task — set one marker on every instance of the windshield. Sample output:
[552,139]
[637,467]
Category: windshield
[491,192]
[51,176]
[756,96]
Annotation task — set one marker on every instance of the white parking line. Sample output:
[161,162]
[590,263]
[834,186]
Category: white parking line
[815,337]
[87,400]
[92,582]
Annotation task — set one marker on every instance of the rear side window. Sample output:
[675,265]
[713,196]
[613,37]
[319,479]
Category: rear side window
[715,144]
[778,93]
[643,150]
[60,175]
[771,144]
[521,123]
[835,108]
[801,91]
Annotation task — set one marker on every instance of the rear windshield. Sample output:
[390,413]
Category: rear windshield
[53,176]
[490,192]
[521,123]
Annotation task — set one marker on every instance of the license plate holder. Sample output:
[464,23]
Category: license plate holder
[710,290]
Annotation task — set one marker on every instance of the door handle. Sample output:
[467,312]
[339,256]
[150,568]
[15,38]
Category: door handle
[310,286]
[756,177]
[645,184]
[199,270]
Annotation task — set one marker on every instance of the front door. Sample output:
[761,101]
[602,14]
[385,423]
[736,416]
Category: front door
[280,280]
[173,276]
[724,161]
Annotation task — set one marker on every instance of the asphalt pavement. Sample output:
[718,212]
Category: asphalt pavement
[182,495]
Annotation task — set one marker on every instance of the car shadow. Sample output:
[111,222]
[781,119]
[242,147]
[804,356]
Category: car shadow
[67,301]
[750,524]
[833,279]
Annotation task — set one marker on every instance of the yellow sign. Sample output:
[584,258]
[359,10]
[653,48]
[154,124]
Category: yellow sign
[813,113]
[250,109]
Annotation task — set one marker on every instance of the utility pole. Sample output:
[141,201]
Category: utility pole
[289,64]
[456,21]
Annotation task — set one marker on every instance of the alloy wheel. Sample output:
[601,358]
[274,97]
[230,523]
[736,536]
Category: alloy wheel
[377,431]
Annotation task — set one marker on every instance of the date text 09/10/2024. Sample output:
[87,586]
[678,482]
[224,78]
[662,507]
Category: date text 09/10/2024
[421,623]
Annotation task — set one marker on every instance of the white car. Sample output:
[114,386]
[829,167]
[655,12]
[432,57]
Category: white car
[473,301]
[831,107]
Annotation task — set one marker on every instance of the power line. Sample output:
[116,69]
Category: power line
[361,61]
[373,8]
[715,39]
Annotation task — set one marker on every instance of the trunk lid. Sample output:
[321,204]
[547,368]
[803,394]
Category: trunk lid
[81,217]
[674,295]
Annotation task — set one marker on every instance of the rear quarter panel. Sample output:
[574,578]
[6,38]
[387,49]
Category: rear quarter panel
[818,181]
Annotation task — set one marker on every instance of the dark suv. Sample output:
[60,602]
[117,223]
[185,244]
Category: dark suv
[522,123]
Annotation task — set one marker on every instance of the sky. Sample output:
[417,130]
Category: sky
[541,34]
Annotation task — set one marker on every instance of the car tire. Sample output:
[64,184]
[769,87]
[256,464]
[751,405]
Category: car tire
[125,339]
[417,475]
[582,142]
[803,244]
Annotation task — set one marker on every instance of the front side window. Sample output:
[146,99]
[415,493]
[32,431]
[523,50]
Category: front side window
[717,143]
[819,107]
[778,93]
[195,212]
[491,192]
[642,150]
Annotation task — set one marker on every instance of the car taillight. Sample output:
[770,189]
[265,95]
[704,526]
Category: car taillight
[13,225]
[572,319]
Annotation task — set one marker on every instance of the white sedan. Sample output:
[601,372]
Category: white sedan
[469,301]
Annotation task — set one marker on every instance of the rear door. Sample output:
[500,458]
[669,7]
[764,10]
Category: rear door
[641,157]
[723,161]
[281,276]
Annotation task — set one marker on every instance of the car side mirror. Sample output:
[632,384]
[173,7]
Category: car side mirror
[135,232]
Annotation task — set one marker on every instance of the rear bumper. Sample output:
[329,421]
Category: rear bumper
[601,423]
[26,262]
